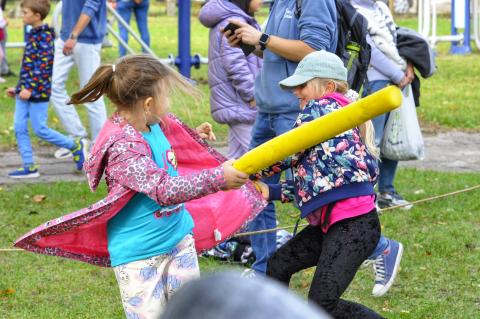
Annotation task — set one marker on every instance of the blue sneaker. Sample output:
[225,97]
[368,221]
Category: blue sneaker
[25,172]
[386,267]
[80,152]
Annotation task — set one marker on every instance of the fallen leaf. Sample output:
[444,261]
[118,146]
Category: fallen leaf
[6,292]
[305,284]
[39,198]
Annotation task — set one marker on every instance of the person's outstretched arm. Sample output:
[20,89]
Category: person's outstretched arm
[136,170]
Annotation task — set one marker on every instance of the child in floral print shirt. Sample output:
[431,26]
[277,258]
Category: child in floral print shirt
[333,187]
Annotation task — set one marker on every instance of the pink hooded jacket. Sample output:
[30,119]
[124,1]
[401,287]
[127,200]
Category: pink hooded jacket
[123,155]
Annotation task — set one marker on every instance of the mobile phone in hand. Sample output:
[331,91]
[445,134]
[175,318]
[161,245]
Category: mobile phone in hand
[246,48]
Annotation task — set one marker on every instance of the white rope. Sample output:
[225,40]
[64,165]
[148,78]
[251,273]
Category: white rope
[381,211]
[469,189]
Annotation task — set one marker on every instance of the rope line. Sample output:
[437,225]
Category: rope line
[469,189]
[257,232]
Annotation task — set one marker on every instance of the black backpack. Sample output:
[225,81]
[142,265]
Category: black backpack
[352,46]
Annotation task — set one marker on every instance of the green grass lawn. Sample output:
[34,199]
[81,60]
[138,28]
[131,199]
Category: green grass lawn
[441,265]
[438,279]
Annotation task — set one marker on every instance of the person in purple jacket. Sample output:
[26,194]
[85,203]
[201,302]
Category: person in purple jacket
[231,74]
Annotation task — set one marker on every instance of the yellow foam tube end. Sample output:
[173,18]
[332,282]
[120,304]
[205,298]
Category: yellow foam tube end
[319,130]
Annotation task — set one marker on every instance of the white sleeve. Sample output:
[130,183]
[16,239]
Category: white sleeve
[3,22]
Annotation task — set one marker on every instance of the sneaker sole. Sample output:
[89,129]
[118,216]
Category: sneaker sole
[86,146]
[381,206]
[35,175]
[389,284]
[63,154]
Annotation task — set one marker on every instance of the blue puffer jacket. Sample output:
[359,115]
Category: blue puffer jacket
[231,75]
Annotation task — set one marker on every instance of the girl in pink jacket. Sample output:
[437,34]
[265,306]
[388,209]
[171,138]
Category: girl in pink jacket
[144,227]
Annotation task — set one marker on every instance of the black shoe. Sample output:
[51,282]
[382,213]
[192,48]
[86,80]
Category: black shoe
[392,199]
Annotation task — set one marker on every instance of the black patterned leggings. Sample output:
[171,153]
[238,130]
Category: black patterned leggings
[337,254]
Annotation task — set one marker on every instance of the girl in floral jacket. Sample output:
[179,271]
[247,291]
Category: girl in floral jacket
[143,229]
[333,187]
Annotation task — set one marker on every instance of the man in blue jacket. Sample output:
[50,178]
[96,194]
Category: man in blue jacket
[284,43]
[84,24]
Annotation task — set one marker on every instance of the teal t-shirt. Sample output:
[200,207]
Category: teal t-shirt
[143,229]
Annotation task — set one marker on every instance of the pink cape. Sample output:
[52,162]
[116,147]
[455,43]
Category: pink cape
[82,235]
[225,212]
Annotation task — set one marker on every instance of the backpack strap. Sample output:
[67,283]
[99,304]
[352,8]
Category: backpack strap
[298,8]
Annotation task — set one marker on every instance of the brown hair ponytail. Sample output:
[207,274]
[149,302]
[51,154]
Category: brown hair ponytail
[131,79]
[98,85]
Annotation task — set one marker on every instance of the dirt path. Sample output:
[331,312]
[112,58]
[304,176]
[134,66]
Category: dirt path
[447,151]
[450,151]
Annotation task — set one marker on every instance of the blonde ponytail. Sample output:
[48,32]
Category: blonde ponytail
[367,134]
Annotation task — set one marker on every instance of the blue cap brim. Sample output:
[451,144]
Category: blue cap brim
[294,81]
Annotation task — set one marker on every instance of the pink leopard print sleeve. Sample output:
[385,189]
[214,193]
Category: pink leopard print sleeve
[130,165]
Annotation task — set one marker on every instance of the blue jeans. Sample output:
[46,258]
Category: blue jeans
[37,112]
[266,127]
[387,167]
[381,246]
[124,9]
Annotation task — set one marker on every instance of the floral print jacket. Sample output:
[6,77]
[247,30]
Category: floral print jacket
[124,157]
[336,169]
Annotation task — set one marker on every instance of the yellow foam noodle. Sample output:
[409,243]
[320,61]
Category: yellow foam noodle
[319,130]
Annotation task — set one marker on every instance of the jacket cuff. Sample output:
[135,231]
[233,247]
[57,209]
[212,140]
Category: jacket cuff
[274,192]
[218,175]
[398,76]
